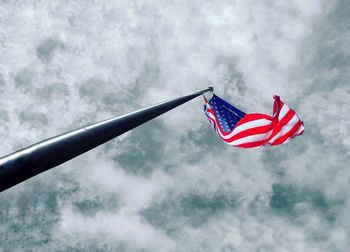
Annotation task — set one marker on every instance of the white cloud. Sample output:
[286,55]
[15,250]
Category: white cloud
[64,65]
[112,229]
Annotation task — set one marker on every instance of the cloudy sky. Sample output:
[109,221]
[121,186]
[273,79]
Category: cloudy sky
[171,184]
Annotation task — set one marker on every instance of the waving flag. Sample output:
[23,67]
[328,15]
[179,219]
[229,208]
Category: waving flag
[253,130]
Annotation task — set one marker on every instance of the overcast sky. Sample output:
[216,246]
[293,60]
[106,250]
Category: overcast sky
[171,184]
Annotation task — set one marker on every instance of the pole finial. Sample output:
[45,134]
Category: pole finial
[211,88]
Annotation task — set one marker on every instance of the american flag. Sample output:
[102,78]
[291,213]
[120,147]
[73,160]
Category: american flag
[253,130]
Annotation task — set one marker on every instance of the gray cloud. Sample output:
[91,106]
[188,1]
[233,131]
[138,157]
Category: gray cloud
[171,185]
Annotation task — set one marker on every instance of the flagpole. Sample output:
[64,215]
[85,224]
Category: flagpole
[40,157]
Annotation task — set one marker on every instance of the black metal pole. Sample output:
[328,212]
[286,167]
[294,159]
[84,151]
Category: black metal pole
[37,158]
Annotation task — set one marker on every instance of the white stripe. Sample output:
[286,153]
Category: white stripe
[211,119]
[286,128]
[283,112]
[251,124]
[251,139]
[301,128]
[210,115]
[291,123]
[246,126]
[287,140]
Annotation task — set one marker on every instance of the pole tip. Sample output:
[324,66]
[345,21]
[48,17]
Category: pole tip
[211,88]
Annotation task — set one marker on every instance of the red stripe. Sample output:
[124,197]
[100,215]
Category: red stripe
[211,119]
[288,134]
[249,132]
[252,144]
[286,118]
[253,117]
[277,106]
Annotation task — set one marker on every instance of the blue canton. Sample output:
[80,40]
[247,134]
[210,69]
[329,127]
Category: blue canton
[227,115]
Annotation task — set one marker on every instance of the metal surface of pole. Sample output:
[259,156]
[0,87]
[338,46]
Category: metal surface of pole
[37,158]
